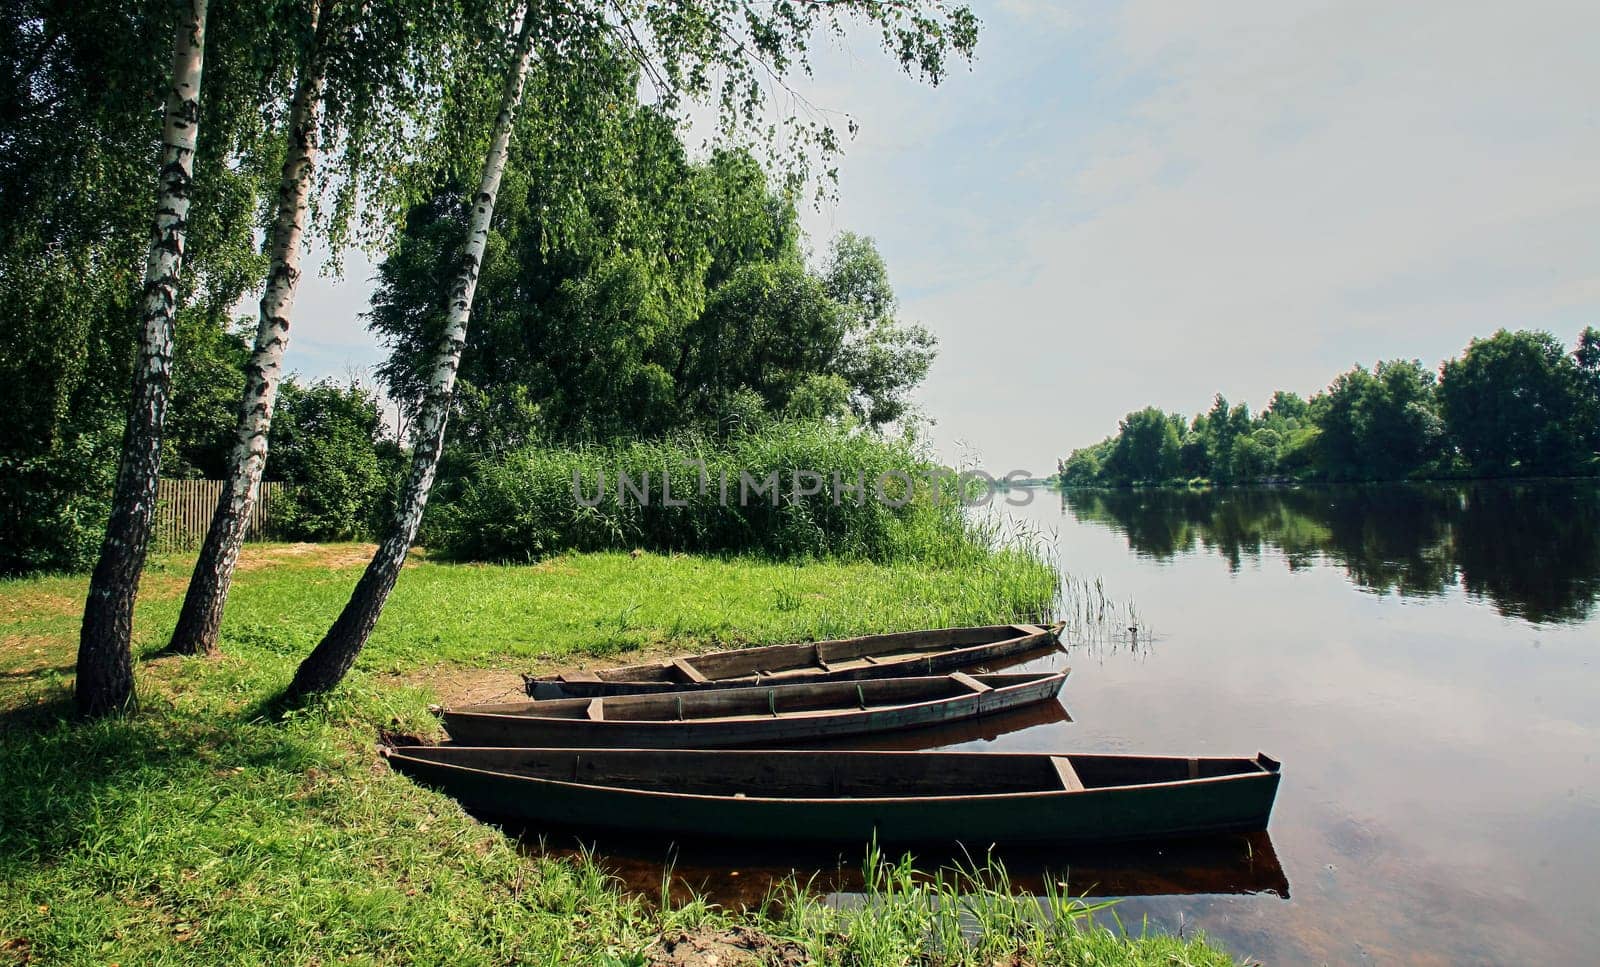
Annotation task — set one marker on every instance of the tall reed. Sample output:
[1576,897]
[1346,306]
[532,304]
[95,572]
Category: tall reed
[695,495]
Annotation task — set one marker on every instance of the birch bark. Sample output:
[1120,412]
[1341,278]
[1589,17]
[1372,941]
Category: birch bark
[203,603]
[105,660]
[327,664]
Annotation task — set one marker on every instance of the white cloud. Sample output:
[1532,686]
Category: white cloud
[1238,197]
[1048,12]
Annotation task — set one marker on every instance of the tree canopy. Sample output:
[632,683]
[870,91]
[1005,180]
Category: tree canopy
[642,292]
[81,90]
[1513,402]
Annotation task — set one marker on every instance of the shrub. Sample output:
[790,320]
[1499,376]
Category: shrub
[53,507]
[328,442]
[523,506]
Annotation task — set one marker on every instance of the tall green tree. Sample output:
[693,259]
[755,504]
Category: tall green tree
[764,331]
[880,359]
[1404,431]
[1194,459]
[1379,425]
[1286,409]
[1512,403]
[104,682]
[82,90]
[329,442]
[1222,427]
[1146,449]
[63,386]
[1587,358]
[587,289]
[646,305]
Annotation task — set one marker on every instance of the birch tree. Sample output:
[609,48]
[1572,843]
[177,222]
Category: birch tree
[378,79]
[83,88]
[722,52]
[105,660]
[201,617]
[332,658]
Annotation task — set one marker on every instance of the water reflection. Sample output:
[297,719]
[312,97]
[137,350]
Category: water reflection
[1532,549]
[747,875]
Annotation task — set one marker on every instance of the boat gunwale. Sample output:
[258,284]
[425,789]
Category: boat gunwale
[1033,681]
[1199,782]
[1050,633]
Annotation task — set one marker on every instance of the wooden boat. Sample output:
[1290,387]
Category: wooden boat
[911,797]
[845,659]
[717,718]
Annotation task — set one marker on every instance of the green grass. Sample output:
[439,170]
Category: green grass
[199,831]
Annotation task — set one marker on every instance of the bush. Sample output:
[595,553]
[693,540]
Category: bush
[53,507]
[328,442]
[524,505]
[64,378]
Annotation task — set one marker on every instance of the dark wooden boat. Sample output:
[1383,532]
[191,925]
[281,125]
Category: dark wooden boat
[850,797]
[764,714]
[844,659]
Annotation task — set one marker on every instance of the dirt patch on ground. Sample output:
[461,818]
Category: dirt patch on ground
[167,586]
[26,647]
[335,556]
[733,947]
[24,602]
[15,951]
[455,685]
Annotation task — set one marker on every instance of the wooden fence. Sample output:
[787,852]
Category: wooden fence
[184,509]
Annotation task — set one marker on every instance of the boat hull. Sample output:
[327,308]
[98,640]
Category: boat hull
[1179,807]
[927,701]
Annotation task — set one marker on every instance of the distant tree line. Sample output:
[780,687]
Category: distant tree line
[1514,404]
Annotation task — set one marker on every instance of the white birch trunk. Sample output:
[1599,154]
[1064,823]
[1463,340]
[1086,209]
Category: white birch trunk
[332,658]
[105,659]
[201,617]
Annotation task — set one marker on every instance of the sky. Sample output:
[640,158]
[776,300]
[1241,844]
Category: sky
[1141,203]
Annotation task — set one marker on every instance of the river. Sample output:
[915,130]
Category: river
[1422,659]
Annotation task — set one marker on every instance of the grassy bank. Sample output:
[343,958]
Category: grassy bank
[200,832]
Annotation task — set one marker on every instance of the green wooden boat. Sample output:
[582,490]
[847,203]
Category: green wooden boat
[850,797]
[845,659]
[761,715]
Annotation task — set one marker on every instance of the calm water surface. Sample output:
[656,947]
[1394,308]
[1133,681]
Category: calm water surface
[1422,660]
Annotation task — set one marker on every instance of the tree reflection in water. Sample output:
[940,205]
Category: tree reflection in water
[1531,548]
